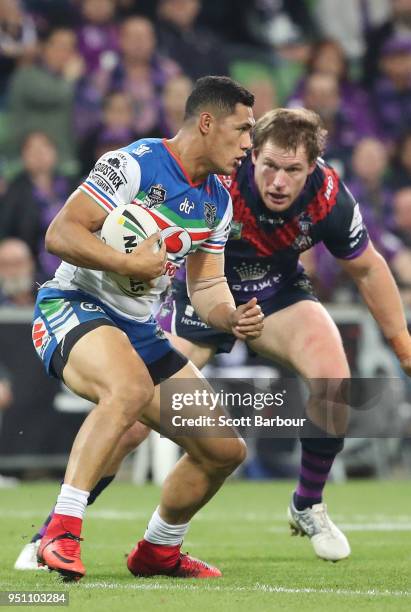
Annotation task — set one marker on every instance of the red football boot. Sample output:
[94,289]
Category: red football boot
[148,559]
[60,547]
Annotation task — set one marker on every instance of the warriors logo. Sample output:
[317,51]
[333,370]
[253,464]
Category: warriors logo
[210,214]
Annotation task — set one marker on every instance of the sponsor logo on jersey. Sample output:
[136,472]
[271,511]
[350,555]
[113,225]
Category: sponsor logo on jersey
[40,336]
[304,284]
[210,214]
[330,187]
[178,241]
[155,196]
[186,206]
[259,285]
[90,307]
[193,322]
[108,174]
[271,220]
[115,162]
[252,271]
[141,150]
[189,311]
[356,227]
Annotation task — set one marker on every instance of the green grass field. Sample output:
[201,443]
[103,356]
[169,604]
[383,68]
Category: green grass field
[244,532]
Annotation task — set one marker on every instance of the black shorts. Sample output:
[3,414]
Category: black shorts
[177,316]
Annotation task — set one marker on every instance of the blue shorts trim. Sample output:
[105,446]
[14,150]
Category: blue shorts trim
[57,312]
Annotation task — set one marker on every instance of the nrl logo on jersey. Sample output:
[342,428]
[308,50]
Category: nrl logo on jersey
[156,195]
[141,150]
[210,214]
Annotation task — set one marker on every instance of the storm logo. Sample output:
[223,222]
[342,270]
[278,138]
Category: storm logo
[177,239]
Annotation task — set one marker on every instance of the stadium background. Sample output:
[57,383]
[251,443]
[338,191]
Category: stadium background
[80,77]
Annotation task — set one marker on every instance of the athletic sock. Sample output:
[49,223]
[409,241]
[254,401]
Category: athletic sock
[94,493]
[99,488]
[314,471]
[160,532]
[71,501]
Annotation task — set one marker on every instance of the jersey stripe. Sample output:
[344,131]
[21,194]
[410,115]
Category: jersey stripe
[102,200]
[212,248]
[196,234]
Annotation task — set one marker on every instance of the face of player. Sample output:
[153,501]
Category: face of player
[228,139]
[280,175]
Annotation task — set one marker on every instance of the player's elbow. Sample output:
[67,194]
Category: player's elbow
[53,238]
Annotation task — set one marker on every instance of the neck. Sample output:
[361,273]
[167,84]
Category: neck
[188,149]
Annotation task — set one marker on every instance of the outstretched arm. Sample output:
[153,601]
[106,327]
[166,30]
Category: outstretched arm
[377,286]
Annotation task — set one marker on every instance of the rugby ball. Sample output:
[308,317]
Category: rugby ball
[124,229]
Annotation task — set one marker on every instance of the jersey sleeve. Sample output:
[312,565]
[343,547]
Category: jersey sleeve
[114,180]
[346,235]
[216,242]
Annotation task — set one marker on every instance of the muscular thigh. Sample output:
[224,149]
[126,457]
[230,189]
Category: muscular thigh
[304,337]
[103,362]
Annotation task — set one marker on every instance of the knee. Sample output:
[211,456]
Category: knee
[128,398]
[230,454]
[332,388]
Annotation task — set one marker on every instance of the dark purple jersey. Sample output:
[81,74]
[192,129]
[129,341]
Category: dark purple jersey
[263,248]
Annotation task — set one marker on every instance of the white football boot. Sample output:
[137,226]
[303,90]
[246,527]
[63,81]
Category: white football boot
[27,559]
[328,541]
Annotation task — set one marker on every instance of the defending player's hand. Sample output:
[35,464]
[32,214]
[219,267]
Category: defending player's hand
[144,263]
[248,320]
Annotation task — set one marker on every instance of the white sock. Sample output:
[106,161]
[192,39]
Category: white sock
[160,532]
[71,501]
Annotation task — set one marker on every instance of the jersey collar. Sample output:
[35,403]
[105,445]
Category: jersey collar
[180,165]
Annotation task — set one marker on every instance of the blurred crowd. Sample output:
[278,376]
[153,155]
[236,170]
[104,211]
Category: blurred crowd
[82,77]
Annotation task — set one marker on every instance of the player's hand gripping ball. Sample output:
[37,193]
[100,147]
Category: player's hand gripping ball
[124,229]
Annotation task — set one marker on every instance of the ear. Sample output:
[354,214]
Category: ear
[311,168]
[205,122]
[254,155]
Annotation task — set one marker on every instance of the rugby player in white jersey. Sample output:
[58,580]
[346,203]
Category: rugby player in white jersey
[106,346]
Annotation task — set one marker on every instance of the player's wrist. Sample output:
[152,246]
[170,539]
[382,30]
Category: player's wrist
[401,345]
[121,264]
[222,316]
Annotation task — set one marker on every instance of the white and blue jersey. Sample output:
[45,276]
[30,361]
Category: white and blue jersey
[190,216]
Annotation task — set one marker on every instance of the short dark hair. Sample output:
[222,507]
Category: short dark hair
[219,92]
[289,128]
